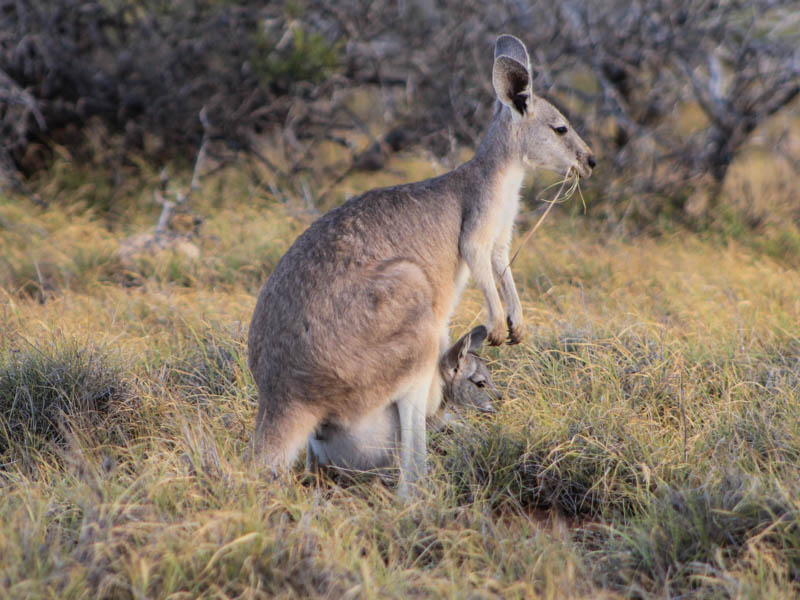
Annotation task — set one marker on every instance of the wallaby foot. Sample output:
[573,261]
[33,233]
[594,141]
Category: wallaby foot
[497,334]
[312,460]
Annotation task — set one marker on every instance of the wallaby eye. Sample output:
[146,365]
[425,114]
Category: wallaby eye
[560,130]
[480,383]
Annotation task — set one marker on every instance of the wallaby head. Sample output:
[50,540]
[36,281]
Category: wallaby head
[543,136]
[467,380]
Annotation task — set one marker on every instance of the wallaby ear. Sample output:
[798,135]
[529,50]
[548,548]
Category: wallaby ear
[449,362]
[458,352]
[511,76]
[508,45]
[477,337]
[511,83]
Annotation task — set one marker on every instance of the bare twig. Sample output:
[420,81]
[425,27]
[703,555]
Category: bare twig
[683,415]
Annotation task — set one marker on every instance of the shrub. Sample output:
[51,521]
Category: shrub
[44,389]
[686,536]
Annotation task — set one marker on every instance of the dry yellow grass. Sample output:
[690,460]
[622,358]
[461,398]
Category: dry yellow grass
[648,443]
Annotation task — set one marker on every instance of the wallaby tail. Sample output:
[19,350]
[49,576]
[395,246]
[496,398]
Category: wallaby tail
[282,428]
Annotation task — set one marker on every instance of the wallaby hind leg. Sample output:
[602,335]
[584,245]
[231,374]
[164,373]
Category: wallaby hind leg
[437,383]
[280,435]
[411,408]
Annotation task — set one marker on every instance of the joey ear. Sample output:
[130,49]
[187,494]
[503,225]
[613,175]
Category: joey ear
[477,337]
[449,362]
[511,80]
[458,352]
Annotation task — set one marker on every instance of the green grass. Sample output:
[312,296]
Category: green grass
[648,442]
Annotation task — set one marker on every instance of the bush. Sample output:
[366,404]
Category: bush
[668,95]
[689,535]
[68,64]
[45,389]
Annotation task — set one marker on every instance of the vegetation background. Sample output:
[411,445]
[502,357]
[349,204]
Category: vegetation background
[159,157]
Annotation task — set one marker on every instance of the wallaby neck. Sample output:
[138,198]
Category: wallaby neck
[497,160]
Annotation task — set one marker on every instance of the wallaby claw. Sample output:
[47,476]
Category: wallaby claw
[514,333]
[496,337]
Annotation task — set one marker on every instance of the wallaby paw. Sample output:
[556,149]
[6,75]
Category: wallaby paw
[514,332]
[497,336]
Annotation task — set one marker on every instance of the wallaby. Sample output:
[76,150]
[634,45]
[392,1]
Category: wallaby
[355,315]
[372,442]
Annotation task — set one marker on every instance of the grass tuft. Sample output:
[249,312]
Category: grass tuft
[686,538]
[46,389]
[212,365]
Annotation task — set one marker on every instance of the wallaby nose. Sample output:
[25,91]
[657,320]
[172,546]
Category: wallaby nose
[591,161]
[488,409]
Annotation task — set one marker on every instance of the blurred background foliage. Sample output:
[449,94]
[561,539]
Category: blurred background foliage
[160,157]
[668,92]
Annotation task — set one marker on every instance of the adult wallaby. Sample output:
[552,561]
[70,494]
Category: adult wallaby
[355,315]
[372,441]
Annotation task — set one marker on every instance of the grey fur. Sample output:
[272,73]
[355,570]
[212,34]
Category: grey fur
[354,317]
[372,442]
